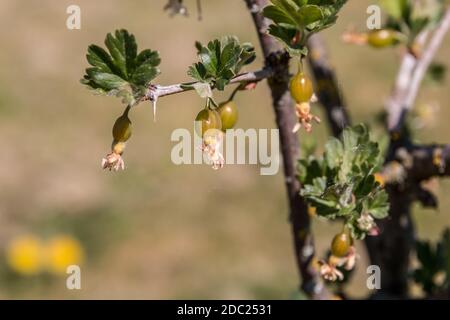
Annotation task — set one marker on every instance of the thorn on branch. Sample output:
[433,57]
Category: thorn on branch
[152,93]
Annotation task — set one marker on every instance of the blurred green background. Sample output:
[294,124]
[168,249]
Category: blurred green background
[157,230]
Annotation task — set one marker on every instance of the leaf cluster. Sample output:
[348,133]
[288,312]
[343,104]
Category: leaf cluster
[341,183]
[121,71]
[220,61]
[294,21]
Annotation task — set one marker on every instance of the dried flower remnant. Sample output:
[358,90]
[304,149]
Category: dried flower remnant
[211,143]
[330,272]
[121,132]
[305,117]
[114,161]
[208,125]
[329,269]
[350,259]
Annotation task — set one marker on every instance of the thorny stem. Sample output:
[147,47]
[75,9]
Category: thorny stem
[156,91]
[278,61]
[199,10]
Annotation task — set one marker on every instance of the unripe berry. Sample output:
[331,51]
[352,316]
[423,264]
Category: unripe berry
[301,88]
[340,246]
[228,114]
[207,119]
[382,38]
[122,128]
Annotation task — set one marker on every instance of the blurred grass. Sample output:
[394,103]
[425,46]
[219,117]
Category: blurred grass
[157,230]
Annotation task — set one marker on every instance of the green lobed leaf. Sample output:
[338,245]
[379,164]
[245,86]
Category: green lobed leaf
[220,61]
[310,14]
[341,182]
[334,152]
[378,205]
[294,21]
[120,71]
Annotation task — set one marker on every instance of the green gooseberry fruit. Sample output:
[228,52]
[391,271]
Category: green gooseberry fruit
[207,119]
[301,88]
[122,129]
[382,38]
[340,246]
[228,114]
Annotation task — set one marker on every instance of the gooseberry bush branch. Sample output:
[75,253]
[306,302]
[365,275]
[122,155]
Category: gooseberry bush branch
[406,165]
[353,182]
[278,60]
[156,91]
[412,73]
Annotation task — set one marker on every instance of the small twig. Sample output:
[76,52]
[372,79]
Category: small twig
[157,91]
[199,10]
[427,58]
[394,104]
[411,74]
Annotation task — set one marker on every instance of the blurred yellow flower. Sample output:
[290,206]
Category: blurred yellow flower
[63,251]
[380,179]
[312,211]
[24,255]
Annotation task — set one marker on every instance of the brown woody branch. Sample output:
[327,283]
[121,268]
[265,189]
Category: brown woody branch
[422,162]
[391,250]
[278,61]
[327,88]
